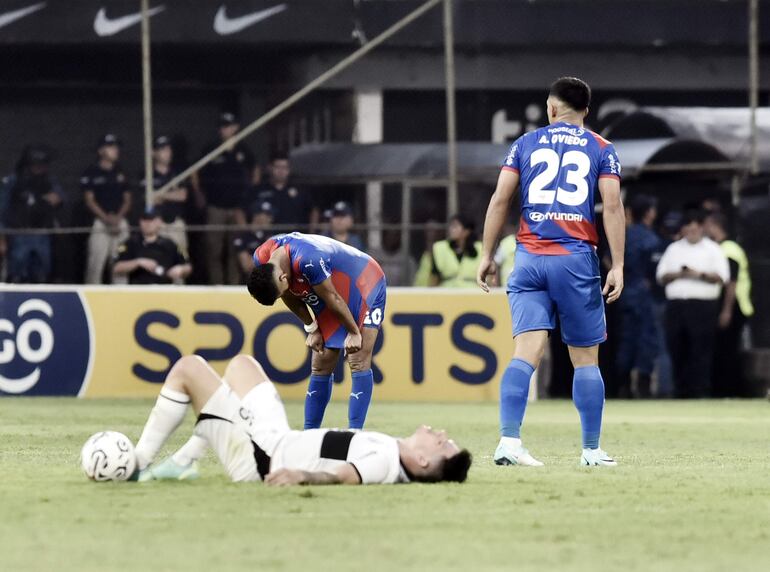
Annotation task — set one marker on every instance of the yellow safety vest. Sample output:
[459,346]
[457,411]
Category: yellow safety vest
[455,273]
[507,252]
[422,277]
[733,251]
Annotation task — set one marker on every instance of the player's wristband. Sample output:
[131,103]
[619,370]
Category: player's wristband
[310,328]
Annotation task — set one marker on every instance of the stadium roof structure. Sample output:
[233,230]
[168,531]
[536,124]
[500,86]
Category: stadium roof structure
[722,132]
[650,139]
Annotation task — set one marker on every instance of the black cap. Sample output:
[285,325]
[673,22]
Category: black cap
[149,214]
[34,155]
[161,141]
[228,118]
[107,139]
[341,208]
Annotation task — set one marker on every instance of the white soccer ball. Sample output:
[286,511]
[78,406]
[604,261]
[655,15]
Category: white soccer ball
[108,456]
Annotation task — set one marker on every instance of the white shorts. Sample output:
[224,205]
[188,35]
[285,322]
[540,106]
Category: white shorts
[244,433]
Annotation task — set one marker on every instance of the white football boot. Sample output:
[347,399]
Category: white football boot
[596,458]
[510,452]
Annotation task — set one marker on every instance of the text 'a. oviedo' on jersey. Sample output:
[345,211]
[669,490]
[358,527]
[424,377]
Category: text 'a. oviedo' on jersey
[559,167]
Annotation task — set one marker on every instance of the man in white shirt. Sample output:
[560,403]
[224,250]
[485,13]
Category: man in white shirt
[244,421]
[693,271]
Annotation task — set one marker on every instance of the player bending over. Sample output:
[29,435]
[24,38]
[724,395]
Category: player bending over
[558,168]
[345,289]
[244,421]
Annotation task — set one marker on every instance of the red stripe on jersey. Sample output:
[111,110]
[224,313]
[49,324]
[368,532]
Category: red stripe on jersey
[512,169]
[600,140]
[328,323]
[536,245]
[609,176]
[264,252]
[341,283]
[581,230]
[369,278]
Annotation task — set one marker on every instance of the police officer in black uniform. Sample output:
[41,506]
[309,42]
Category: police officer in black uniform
[106,195]
[292,206]
[172,203]
[149,258]
[224,183]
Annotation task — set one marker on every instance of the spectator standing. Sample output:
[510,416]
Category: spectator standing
[638,344]
[246,243]
[693,270]
[223,184]
[292,206]
[340,223]
[735,310]
[456,260]
[170,204]
[32,199]
[106,196]
[149,258]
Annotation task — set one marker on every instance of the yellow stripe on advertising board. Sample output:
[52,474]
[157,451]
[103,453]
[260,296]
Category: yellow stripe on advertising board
[436,345]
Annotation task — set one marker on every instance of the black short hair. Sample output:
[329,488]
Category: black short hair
[693,215]
[261,284]
[279,156]
[572,91]
[454,469]
[640,205]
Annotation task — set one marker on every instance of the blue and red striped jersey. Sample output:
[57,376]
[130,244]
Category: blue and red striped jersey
[559,167]
[355,275]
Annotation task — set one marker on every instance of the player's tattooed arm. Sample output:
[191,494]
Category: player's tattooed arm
[497,212]
[345,475]
[614,219]
[334,302]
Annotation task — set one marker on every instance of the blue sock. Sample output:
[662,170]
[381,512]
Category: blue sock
[588,395]
[319,392]
[360,396]
[514,390]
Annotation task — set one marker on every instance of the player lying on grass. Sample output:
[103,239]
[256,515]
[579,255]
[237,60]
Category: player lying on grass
[242,418]
[345,288]
[558,169]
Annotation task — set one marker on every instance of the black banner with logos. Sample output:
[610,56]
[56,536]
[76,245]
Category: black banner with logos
[479,23]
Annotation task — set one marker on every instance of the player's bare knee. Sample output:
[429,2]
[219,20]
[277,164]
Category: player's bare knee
[360,361]
[243,373]
[324,363]
[185,370]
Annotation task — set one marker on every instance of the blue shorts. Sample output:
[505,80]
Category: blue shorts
[570,284]
[370,313]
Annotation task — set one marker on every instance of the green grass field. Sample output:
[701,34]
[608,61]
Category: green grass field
[692,493]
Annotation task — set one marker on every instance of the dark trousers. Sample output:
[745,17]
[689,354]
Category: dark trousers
[690,332]
[29,258]
[728,371]
[638,344]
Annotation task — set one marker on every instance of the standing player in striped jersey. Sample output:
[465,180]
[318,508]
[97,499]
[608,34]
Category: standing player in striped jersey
[558,168]
[345,289]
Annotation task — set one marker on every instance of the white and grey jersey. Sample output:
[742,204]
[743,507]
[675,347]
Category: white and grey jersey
[374,455]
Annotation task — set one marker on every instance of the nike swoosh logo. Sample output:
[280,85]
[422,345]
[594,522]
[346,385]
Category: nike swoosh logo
[225,26]
[10,17]
[104,26]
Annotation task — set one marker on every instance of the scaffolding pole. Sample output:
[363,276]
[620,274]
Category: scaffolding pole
[147,104]
[291,100]
[451,116]
[753,81]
